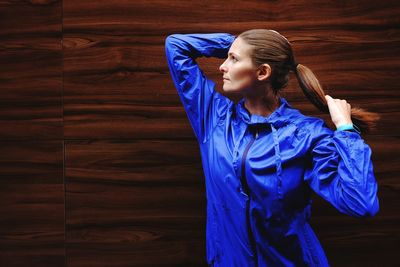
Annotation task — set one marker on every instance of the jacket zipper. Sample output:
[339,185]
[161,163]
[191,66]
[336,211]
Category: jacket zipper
[247,191]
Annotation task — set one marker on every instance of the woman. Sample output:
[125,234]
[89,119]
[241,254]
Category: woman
[261,157]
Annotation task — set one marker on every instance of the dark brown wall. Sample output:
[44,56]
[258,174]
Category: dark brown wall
[98,162]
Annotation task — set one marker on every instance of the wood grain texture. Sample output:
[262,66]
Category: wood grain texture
[140,203]
[117,87]
[148,197]
[31,203]
[123,58]
[31,70]
[86,94]
[31,134]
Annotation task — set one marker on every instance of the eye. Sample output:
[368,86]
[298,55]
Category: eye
[234,58]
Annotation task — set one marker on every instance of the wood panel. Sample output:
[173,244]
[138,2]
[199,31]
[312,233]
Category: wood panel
[118,95]
[31,70]
[31,134]
[93,75]
[349,241]
[31,203]
[131,88]
[131,199]
[138,203]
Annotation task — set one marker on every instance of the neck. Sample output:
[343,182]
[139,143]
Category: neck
[262,105]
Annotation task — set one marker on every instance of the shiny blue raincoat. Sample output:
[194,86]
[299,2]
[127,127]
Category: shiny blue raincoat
[260,171]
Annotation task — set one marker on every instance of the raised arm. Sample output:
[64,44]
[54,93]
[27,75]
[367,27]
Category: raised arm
[203,105]
[342,171]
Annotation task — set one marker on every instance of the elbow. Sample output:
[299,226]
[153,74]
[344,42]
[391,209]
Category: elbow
[169,41]
[371,202]
[360,205]
[173,45]
[369,209]
[172,39]
[373,209]
[363,200]
[170,47]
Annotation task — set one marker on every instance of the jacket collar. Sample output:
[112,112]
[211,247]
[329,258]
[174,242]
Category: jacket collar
[278,118]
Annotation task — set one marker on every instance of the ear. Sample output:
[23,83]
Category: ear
[264,72]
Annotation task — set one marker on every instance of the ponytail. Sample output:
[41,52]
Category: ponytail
[269,46]
[312,89]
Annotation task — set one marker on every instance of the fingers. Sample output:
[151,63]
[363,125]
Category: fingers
[339,110]
[337,100]
[328,98]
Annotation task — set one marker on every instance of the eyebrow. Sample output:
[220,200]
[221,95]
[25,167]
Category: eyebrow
[231,53]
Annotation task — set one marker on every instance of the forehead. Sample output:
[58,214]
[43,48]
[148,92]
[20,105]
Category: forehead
[240,48]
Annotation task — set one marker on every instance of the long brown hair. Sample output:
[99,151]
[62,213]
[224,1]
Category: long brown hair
[272,48]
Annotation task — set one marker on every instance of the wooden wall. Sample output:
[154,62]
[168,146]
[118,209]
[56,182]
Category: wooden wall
[98,162]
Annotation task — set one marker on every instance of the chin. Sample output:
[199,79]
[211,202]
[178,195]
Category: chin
[231,90]
[228,89]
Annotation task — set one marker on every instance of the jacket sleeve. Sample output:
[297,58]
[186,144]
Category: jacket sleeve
[342,171]
[203,105]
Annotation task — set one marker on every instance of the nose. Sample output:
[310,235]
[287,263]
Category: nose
[222,68]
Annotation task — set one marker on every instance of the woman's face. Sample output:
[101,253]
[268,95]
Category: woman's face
[239,73]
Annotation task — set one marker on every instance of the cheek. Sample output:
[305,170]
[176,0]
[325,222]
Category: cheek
[243,76]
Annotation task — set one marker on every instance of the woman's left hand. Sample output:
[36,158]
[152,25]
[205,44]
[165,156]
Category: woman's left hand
[340,111]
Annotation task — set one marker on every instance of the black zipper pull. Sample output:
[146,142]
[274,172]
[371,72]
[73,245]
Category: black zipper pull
[254,130]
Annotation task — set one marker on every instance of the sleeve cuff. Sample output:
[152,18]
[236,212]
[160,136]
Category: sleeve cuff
[349,127]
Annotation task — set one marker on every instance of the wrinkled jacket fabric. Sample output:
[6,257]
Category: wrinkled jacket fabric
[260,171]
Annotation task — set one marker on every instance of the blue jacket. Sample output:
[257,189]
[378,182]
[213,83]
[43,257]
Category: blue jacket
[260,171]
